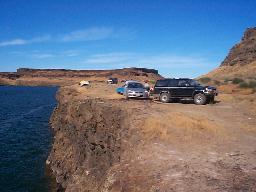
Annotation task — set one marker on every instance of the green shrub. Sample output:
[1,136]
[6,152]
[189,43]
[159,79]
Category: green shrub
[205,80]
[152,81]
[216,82]
[251,84]
[226,80]
[243,85]
[237,80]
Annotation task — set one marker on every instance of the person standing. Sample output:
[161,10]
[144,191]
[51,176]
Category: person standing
[146,85]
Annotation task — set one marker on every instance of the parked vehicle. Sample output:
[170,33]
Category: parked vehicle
[183,89]
[112,80]
[134,89]
[120,90]
[84,83]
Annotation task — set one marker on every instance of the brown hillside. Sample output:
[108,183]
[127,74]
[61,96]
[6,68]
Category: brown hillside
[241,60]
[236,71]
[244,52]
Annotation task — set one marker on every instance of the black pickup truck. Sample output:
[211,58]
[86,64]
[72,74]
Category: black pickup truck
[183,89]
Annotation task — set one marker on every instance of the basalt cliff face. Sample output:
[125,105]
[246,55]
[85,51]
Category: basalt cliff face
[95,140]
[244,52]
[59,77]
[87,142]
[240,61]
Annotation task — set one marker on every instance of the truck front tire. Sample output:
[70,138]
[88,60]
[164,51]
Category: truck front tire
[200,99]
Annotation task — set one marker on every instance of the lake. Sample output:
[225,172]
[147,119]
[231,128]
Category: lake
[25,138]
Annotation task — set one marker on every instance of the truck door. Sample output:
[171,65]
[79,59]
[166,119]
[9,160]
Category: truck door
[185,88]
[173,87]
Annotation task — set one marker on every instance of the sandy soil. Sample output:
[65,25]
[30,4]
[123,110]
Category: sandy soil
[182,146]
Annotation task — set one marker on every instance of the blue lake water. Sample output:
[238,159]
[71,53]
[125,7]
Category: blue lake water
[25,137]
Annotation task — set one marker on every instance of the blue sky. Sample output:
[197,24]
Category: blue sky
[179,38]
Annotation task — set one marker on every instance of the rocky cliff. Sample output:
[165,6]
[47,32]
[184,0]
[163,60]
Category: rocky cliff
[87,142]
[244,52]
[84,73]
[104,143]
[240,62]
[59,77]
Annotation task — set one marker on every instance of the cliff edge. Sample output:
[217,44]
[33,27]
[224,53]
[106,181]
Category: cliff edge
[105,143]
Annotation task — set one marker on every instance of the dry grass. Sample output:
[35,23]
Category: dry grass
[99,90]
[181,126]
[230,72]
[234,88]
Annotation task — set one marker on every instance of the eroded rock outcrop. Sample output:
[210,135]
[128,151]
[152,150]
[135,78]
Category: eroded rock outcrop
[87,142]
[83,73]
[240,62]
[60,77]
[244,52]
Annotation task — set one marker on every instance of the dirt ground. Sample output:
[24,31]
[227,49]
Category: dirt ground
[182,146]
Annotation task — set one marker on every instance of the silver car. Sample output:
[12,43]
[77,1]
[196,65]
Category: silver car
[134,89]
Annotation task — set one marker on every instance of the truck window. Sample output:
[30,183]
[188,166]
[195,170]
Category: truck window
[173,83]
[183,83]
[162,83]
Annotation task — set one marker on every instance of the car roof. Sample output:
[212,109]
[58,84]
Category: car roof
[175,79]
[131,81]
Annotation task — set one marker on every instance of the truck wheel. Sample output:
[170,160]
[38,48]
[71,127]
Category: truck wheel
[200,99]
[165,97]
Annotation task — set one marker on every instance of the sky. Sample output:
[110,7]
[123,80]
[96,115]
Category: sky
[179,38]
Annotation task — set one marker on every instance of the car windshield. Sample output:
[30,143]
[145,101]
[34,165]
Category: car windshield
[135,85]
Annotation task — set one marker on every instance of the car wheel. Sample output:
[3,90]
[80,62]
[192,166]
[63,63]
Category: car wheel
[200,99]
[165,97]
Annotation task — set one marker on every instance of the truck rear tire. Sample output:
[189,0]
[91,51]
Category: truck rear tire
[165,97]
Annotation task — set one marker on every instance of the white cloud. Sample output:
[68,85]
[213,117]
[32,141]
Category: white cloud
[36,54]
[144,60]
[168,64]
[90,34]
[13,42]
[40,39]
[110,58]
[42,55]
[50,54]
[25,41]
[171,61]
[70,53]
